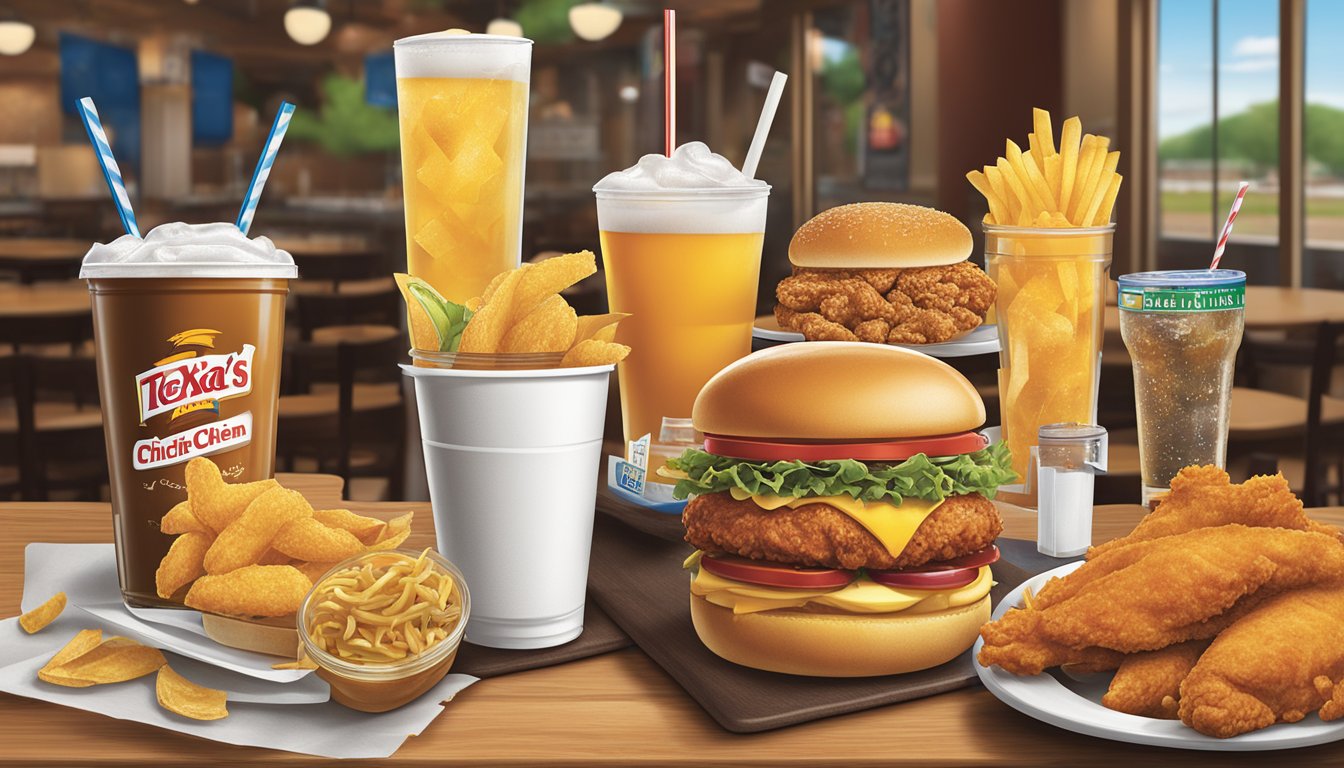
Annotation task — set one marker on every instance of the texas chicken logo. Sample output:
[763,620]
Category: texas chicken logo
[187,383]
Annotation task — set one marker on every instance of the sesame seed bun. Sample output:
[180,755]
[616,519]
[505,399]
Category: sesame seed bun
[837,390]
[879,236]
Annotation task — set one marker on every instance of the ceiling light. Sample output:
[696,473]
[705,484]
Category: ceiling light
[16,37]
[506,27]
[307,22]
[594,21]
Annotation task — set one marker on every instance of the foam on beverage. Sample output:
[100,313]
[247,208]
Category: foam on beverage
[453,54]
[712,196]
[177,249]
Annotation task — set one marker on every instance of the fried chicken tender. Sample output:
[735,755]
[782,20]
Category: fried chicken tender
[1203,497]
[819,534]
[922,305]
[1333,693]
[1149,684]
[812,325]
[1267,667]
[873,330]
[1152,594]
[943,288]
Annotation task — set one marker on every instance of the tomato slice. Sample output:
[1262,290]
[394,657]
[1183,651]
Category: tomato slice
[756,449]
[768,574]
[950,579]
[944,574]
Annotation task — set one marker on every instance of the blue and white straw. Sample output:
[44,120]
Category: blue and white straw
[98,137]
[264,164]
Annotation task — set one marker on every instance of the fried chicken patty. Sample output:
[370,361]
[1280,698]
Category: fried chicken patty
[917,305]
[819,534]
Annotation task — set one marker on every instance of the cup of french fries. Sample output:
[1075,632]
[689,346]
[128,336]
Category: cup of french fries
[512,452]
[1048,247]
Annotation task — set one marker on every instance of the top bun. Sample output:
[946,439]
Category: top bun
[837,390]
[881,236]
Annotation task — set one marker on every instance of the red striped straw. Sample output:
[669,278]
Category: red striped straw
[1227,228]
[669,81]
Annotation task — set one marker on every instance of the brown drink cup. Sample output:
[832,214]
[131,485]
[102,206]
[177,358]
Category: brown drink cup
[189,358]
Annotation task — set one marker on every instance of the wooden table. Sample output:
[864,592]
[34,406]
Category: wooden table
[46,313]
[44,301]
[617,709]
[38,258]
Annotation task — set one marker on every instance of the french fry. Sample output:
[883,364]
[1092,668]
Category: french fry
[1068,159]
[1103,216]
[1038,182]
[1034,153]
[1024,207]
[1103,184]
[997,208]
[1097,178]
[1005,194]
[1087,152]
[1052,174]
[1019,166]
[1044,132]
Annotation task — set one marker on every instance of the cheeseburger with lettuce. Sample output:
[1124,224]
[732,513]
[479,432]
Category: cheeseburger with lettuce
[840,510]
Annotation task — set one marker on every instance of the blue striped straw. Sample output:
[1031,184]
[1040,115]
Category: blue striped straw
[264,164]
[98,137]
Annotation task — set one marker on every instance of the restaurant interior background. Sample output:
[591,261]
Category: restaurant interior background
[887,100]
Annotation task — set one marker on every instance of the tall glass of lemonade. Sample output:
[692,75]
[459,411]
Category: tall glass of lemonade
[462,104]
[681,245]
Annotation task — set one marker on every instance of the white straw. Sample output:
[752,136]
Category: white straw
[763,124]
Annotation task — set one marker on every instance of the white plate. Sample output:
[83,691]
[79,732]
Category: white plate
[1075,705]
[981,341]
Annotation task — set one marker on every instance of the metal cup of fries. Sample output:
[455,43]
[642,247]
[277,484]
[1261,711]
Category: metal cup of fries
[1048,247]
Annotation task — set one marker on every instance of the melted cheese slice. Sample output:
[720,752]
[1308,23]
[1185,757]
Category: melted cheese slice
[891,524]
[861,596]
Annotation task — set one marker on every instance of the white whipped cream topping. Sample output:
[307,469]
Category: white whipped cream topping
[177,249]
[691,166]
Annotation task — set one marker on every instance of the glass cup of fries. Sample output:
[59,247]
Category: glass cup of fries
[1048,240]
[378,644]
[1052,291]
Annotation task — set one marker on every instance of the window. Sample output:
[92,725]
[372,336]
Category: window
[1218,124]
[1323,155]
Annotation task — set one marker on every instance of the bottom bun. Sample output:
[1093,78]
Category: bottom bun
[838,645]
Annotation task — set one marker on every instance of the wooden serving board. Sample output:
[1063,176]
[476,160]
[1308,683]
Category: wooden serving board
[657,615]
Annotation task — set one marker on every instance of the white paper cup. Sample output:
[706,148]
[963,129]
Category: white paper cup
[512,460]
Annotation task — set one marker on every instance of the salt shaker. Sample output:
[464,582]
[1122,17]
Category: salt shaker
[1068,458]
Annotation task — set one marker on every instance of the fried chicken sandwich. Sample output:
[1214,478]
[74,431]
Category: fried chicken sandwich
[883,272]
[840,508]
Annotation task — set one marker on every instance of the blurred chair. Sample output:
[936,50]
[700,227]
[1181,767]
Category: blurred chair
[19,330]
[379,303]
[59,426]
[340,266]
[357,429]
[11,452]
[1276,425]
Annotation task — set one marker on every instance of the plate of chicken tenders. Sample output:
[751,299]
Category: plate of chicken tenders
[884,273]
[1217,624]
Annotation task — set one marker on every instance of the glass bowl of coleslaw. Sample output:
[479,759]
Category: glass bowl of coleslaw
[383,627]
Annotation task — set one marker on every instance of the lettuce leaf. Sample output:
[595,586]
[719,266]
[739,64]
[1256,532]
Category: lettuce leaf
[919,476]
